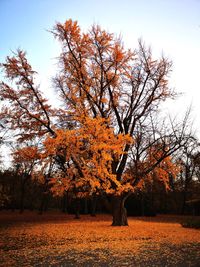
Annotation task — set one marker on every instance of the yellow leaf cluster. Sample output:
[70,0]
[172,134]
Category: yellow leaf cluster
[89,152]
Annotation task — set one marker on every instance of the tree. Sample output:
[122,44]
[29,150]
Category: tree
[108,94]
[188,159]
[25,159]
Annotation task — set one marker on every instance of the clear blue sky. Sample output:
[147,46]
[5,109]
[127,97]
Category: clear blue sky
[171,26]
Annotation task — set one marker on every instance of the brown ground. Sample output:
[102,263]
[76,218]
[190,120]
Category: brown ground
[55,239]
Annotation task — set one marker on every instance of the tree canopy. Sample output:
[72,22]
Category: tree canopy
[103,138]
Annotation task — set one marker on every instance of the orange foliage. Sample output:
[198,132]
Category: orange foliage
[26,158]
[89,151]
[106,90]
[26,154]
[166,168]
[29,113]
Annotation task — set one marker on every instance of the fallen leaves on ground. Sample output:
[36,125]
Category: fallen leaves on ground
[55,239]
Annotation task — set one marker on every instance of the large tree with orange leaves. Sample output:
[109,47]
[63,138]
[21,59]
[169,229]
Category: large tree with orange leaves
[109,96]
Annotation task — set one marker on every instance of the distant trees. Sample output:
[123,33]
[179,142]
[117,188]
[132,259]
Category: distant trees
[104,139]
[25,159]
[11,191]
[187,180]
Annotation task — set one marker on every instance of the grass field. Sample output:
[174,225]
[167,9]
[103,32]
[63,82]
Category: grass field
[55,239]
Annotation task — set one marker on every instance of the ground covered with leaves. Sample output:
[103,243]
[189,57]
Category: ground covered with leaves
[55,239]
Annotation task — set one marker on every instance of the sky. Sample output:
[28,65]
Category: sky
[171,27]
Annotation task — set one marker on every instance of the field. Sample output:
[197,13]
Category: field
[55,239]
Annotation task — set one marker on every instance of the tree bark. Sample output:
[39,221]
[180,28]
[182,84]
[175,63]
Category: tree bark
[119,211]
[44,203]
[142,204]
[184,202]
[24,179]
[85,206]
[93,206]
[22,193]
[64,203]
[44,200]
[77,206]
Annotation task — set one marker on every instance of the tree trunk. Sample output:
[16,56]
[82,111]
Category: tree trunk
[142,204]
[22,193]
[119,211]
[184,202]
[77,208]
[43,204]
[85,206]
[22,200]
[64,203]
[93,206]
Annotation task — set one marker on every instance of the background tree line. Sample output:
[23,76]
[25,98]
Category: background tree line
[20,192]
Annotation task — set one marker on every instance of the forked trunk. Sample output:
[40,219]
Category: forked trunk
[119,211]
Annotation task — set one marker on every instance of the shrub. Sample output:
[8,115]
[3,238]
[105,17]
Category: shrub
[192,223]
